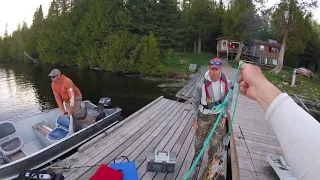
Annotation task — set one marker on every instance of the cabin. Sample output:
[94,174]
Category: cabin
[229,48]
[224,47]
[265,52]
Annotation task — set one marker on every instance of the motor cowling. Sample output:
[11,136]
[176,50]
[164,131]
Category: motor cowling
[104,103]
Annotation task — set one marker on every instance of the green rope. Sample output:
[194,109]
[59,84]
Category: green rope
[220,108]
[218,169]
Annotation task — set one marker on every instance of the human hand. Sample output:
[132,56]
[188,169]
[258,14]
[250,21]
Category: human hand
[250,78]
[69,113]
[254,85]
[195,124]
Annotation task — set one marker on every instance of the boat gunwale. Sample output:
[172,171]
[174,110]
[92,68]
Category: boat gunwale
[58,142]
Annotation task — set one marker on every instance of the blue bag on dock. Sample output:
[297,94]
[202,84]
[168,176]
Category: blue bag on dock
[128,169]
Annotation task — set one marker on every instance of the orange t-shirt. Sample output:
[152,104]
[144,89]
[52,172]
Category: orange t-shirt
[65,90]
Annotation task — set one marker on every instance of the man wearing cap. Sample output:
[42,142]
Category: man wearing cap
[65,90]
[210,92]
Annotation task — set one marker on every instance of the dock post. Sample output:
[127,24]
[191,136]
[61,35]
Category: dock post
[293,82]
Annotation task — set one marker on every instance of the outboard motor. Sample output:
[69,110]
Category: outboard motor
[104,103]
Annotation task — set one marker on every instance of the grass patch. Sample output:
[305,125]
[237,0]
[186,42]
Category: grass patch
[180,62]
[309,87]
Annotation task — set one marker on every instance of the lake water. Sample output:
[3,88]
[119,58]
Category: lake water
[25,89]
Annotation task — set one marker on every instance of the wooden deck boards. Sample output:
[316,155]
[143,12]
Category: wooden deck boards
[257,139]
[256,142]
[187,91]
[165,125]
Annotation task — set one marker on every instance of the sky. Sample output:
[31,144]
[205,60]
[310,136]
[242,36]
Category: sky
[17,11]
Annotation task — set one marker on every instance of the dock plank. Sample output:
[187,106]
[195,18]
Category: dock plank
[187,162]
[118,138]
[187,91]
[175,147]
[174,132]
[80,158]
[256,142]
[111,146]
[142,158]
[144,140]
[181,155]
[155,131]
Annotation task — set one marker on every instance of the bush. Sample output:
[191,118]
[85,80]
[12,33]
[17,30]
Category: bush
[116,55]
[147,54]
[169,57]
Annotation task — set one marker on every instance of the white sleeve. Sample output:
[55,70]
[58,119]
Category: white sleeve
[298,133]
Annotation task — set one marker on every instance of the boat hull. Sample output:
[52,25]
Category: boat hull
[52,152]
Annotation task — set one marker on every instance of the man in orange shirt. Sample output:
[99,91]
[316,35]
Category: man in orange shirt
[65,90]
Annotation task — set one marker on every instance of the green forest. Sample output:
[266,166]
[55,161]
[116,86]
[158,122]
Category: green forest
[142,36]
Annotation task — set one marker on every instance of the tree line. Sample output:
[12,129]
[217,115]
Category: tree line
[136,36]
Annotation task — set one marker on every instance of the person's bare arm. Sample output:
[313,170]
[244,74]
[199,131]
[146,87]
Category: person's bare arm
[296,130]
[254,85]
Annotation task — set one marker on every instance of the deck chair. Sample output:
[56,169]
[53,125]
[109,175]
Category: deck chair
[10,142]
[64,127]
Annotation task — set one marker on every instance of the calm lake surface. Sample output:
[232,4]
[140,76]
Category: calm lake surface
[25,89]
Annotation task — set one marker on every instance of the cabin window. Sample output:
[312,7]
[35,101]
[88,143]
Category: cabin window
[274,50]
[261,47]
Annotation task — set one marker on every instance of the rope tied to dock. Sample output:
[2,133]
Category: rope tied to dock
[220,108]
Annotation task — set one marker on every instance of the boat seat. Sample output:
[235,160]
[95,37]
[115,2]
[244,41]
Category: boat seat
[43,128]
[10,142]
[64,127]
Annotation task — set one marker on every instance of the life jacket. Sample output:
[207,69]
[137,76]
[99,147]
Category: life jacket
[211,102]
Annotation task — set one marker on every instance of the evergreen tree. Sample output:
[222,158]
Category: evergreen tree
[5,53]
[1,48]
[115,35]
[161,17]
[17,44]
[148,55]
[311,55]
[64,6]
[240,22]
[116,54]
[200,13]
[53,11]
[6,30]
[33,35]
[289,21]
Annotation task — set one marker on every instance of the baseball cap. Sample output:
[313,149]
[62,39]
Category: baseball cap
[54,73]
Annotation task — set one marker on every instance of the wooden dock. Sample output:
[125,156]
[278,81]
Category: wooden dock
[253,139]
[166,125]
[187,91]
[163,125]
